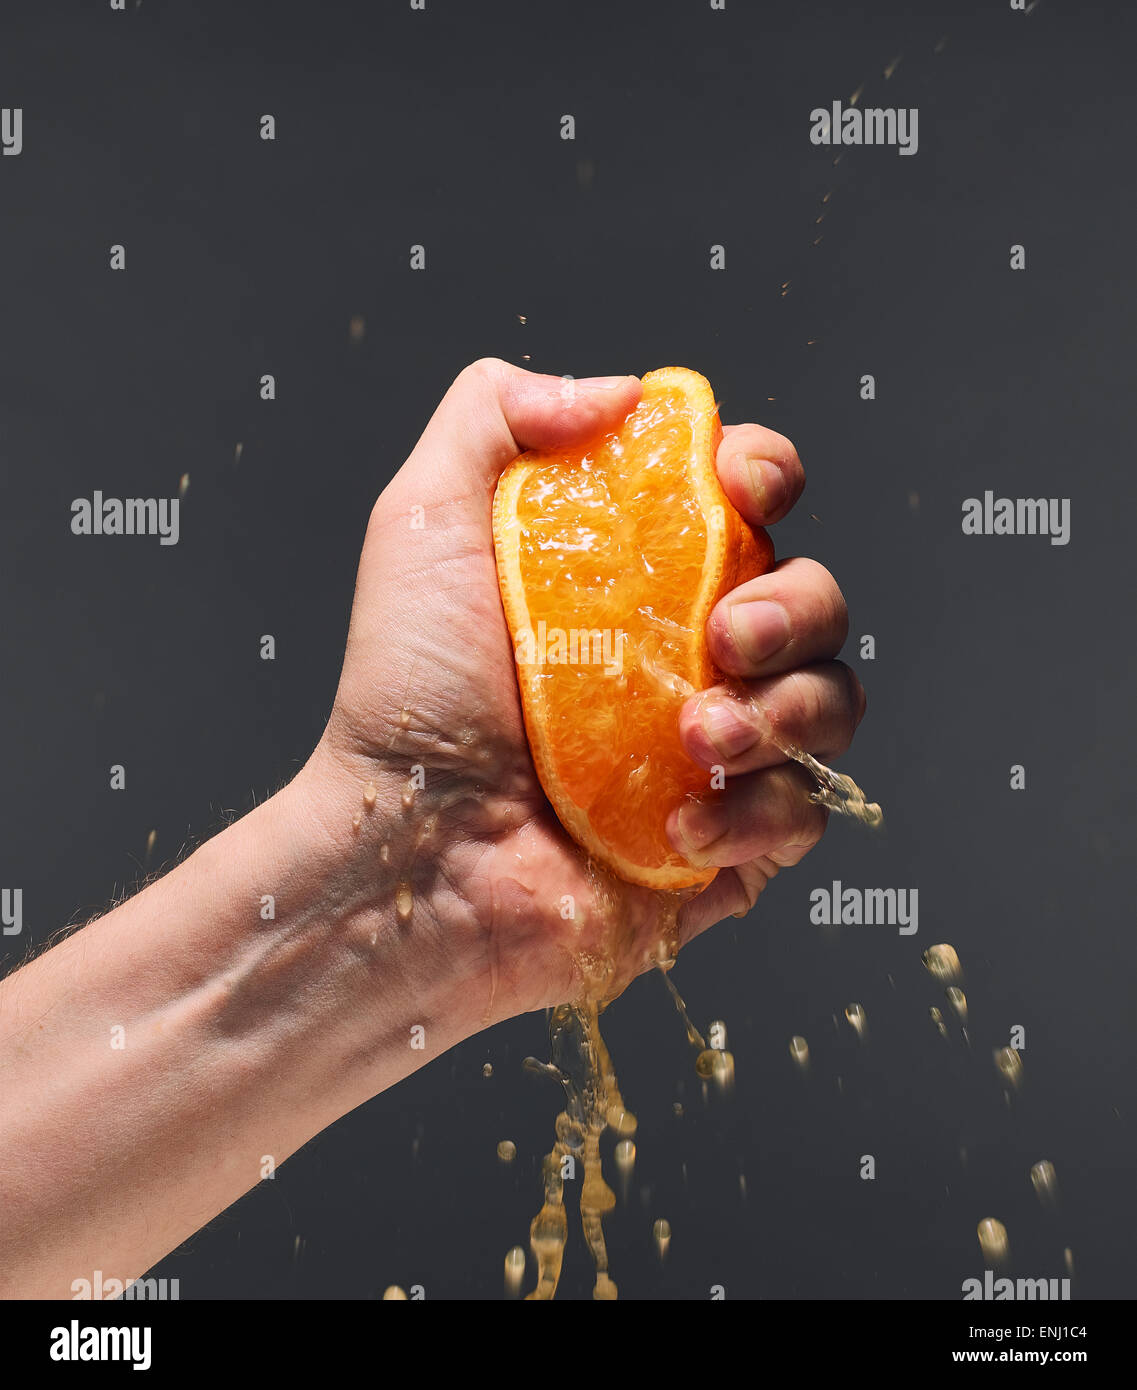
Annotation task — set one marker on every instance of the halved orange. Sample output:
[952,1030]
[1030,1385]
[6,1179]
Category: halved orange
[610,558]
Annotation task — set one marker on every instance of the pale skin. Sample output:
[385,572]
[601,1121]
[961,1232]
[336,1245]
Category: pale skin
[243,1037]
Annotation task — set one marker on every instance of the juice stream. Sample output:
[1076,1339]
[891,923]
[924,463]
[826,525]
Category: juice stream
[580,1061]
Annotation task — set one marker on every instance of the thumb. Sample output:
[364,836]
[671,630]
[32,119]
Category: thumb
[495,411]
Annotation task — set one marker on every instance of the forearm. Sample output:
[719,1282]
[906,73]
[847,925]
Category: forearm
[153,1062]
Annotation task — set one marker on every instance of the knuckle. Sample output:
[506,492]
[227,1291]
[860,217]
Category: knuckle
[485,371]
[857,692]
[841,707]
[805,819]
[814,820]
[832,613]
[804,704]
[741,898]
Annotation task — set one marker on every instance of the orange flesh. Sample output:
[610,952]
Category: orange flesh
[621,549]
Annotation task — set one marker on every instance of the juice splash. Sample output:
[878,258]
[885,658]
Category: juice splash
[579,1058]
[581,1064]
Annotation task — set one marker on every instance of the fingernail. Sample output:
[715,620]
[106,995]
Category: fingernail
[726,728]
[760,629]
[693,827]
[767,483]
[601,383]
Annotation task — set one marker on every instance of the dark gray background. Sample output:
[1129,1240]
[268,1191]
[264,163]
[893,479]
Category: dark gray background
[442,128]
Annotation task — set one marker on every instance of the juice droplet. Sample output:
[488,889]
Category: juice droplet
[1010,1066]
[705,1063]
[993,1241]
[405,722]
[1068,1261]
[958,1000]
[394,1295]
[661,1236]
[943,963]
[938,1019]
[514,1271]
[625,1156]
[385,853]
[799,1051]
[356,821]
[487,1070]
[183,485]
[404,902]
[856,1016]
[369,795]
[507,1151]
[621,1121]
[408,796]
[1045,1183]
[724,1072]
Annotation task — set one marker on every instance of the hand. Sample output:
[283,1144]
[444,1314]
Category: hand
[429,682]
[354,926]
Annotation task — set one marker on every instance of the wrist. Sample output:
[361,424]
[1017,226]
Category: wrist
[388,938]
[220,1018]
